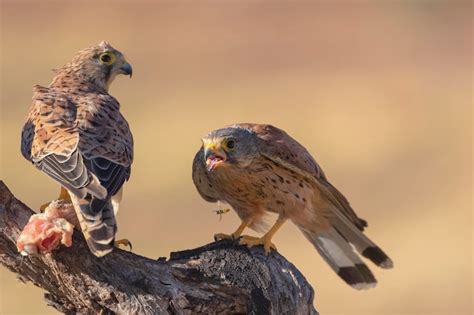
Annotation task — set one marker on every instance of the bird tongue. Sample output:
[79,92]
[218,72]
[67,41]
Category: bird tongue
[212,161]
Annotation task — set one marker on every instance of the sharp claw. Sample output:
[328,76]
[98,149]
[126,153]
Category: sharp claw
[220,236]
[64,195]
[43,207]
[124,242]
[268,248]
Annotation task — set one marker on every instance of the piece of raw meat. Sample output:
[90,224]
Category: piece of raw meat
[45,231]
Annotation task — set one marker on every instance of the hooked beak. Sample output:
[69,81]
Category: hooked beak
[126,69]
[213,158]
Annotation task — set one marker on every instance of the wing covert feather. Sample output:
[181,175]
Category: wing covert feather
[278,146]
[85,150]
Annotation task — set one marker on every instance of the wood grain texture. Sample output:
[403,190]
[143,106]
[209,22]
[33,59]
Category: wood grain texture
[218,278]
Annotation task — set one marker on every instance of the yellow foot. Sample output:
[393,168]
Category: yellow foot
[44,206]
[123,242]
[63,195]
[251,241]
[233,236]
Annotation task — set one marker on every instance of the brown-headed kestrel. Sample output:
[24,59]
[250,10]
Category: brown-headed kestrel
[75,133]
[259,169]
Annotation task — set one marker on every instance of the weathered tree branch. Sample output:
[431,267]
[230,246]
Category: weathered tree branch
[217,278]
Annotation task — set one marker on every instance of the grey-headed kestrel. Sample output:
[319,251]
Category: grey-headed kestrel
[75,133]
[259,169]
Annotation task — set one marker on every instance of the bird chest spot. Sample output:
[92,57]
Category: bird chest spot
[42,135]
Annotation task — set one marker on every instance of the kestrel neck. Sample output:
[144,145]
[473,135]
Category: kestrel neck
[67,79]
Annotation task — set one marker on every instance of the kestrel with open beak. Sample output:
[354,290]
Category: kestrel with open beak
[259,169]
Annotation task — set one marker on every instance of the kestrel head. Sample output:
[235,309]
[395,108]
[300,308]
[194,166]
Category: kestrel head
[98,64]
[229,147]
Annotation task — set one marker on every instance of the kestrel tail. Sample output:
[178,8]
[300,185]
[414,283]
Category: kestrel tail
[75,133]
[259,169]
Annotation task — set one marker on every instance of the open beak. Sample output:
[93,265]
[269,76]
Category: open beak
[213,158]
[126,69]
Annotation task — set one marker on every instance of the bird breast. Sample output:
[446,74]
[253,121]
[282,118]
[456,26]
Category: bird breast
[264,184]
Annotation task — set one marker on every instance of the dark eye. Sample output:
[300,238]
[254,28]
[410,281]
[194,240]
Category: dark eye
[230,144]
[107,58]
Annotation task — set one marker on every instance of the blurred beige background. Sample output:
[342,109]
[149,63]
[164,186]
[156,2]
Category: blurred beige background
[379,92]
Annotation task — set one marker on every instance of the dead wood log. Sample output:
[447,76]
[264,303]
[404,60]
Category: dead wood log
[218,278]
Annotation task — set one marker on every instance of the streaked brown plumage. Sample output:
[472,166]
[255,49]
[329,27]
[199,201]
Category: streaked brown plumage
[259,169]
[75,133]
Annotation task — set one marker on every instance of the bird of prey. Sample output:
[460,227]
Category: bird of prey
[259,169]
[75,133]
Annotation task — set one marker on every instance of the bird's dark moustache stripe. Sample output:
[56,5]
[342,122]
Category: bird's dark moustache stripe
[107,73]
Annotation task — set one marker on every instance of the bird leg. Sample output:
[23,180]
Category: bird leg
[265,240]
[233,236]
[123,242]
[63,195]
[116,199]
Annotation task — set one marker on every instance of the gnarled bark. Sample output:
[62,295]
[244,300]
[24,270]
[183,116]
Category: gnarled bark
[218,278]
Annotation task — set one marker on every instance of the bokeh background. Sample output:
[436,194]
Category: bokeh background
[379,91]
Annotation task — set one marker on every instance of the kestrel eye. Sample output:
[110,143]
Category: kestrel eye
[230,144]
[107,58]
